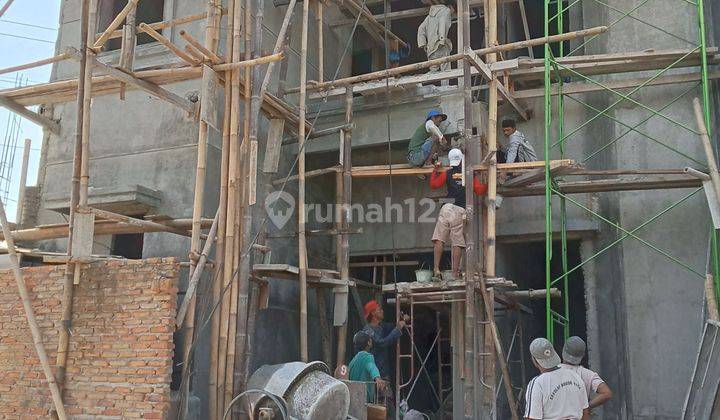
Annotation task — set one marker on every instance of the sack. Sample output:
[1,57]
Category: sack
[376,412]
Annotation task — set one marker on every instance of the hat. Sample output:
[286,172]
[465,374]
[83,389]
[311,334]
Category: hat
[435,113]
[370,307]
[455,156]
[574,350]
[544,353]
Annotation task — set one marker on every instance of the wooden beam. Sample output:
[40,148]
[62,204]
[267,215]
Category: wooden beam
[148,87]
[209,55]
[38,119]
[32,321]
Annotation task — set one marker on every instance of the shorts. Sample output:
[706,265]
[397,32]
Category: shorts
[450,225]
[419,156]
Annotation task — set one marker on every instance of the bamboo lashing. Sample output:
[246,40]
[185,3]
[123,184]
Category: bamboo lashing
[30,315]
[131,4]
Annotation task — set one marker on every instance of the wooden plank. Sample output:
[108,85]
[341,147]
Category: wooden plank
[146,86]
[582,87]
[606,185]
[82,238]
[537,175]
[38,119]
[274,145]
[210,94]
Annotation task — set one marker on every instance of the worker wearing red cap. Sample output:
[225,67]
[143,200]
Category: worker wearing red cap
[383,334]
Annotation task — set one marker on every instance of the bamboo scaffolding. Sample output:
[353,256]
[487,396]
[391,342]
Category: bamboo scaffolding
[32,322]
[214,375]
[455,57]
[72,270]
[206,52]
[302,244]
[164,24]
[490,221]
[38,119]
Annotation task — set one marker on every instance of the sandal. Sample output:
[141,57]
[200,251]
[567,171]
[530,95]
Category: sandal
[437,277]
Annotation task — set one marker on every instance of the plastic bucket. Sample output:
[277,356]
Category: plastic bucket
[423,276]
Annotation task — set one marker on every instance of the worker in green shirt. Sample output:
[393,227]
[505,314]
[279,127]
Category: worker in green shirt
[362,366]
[426,140]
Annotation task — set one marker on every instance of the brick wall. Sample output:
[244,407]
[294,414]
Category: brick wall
[121,349]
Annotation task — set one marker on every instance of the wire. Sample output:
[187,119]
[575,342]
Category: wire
[28,24]
[26,37]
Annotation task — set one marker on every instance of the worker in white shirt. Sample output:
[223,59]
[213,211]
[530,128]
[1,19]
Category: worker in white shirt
[432,33]
[426,140]
[555,393]
[572,354]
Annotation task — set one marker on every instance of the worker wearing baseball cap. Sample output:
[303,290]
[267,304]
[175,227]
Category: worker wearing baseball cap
[555,393]
[427,139]
[450,224]
[383,334]
[572,354]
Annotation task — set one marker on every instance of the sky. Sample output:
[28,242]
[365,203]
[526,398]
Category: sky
[28,30]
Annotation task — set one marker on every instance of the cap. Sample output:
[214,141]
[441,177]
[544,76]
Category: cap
[573,350]
[455,156]
[370,307]
[544,353]
[436,113]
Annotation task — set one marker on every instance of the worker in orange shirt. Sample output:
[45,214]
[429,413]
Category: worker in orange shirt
[451,220]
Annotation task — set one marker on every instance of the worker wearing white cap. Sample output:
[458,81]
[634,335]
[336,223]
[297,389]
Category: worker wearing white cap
[451,220]
[572,354]
[556,393]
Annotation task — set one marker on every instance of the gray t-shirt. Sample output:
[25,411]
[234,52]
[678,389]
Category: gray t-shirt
[519,149]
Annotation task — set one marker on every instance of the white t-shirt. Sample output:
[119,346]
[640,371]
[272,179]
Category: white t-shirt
[591,379]
[556,395]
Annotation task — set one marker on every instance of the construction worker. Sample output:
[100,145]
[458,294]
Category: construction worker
[518,148]
[362,366]
[555,393]
[426,141]
[433,33]
[383,334]
[572,355]
[451,220]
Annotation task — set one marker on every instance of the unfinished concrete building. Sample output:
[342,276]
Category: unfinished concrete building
[263,146]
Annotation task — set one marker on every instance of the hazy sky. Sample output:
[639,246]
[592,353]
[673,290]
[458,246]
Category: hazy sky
[37,20]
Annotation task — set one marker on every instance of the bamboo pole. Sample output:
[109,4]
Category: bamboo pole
[68,284]
[38,63]
[346,196]
[230,229]
[5,7]
[208,53]
[707,145]
[127,47]
[222,225]
[302,244]
[321,42]
[169,45]
[249,63]
[30,315]
[158,227]
[158,26]
[197,266]
[246,317]
[382,74]
[23,181]
[131,4]
[492,143]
